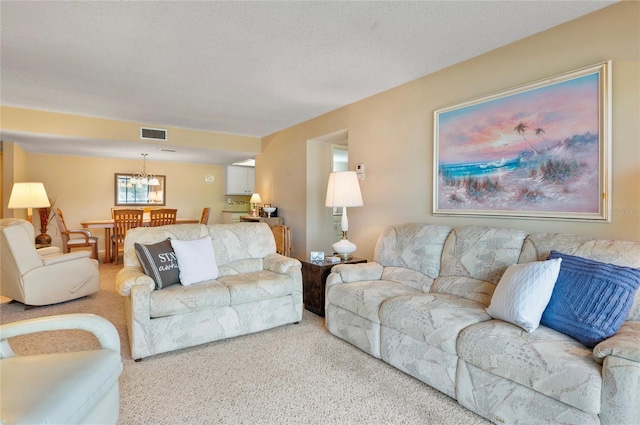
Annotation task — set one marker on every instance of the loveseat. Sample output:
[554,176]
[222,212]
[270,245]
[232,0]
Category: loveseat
[255,288]
[422,304]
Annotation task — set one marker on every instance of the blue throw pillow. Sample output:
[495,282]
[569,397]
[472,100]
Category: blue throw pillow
[590,299]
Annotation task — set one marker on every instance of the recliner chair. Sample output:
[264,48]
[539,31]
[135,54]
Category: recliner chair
[34,279]
[69,387]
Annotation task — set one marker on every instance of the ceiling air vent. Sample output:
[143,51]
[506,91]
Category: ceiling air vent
[153,134]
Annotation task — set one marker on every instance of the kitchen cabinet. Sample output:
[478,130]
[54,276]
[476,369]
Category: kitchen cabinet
[240,180]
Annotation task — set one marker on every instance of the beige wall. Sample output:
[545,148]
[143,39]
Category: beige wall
[392,133]
[84,186]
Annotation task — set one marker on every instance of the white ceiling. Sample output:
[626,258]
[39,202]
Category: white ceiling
[238,67]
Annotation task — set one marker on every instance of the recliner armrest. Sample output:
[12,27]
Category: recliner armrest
[625,344]
[358,272]
[55,259]
[278,263]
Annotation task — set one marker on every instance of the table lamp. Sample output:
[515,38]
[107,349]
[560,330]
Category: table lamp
[28,195]
[343,191]
[255,200]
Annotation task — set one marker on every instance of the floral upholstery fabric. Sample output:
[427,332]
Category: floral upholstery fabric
[363,298]
[257,289]
[545,360]
[436,319]
[480,254]
[503,401]
[413,246]
[429,321]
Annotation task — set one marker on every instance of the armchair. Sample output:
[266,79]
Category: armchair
[86,239]
[67,387]
[34,279]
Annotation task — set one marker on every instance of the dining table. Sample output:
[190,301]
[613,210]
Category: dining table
[107,225]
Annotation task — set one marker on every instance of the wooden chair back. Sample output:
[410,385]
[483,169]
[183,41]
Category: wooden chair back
[205,216]
[162,217]
[123,220]
[283,238]
[87,239]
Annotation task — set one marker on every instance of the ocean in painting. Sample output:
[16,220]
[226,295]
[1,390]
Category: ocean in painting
[475,169]
[563,177]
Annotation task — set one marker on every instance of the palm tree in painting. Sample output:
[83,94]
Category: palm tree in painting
[520,129]
[539,131]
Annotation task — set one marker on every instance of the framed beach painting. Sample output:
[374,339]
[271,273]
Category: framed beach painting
[541,150]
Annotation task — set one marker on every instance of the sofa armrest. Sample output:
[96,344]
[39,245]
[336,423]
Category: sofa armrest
[358,272]
[625,344]
[278,263]
[62,258]
[128,277]
[104,330]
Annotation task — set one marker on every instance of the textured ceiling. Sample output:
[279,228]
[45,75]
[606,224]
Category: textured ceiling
[247,68]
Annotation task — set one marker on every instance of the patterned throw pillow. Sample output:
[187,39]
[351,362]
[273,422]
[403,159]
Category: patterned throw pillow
[159,262]
[590,299]
[523,293]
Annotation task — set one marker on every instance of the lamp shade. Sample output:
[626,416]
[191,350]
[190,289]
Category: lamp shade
[343,190]
[28,195]
[255,199]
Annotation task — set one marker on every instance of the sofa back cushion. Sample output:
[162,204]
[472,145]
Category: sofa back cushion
[537,247]
[236,243]
[415,246]
[474,259]
[152,235]
[238,248]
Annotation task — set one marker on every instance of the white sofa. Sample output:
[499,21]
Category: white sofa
[421,307]
[257,289]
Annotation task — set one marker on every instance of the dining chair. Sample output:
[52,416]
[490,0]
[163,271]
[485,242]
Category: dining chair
[123,220]
[162,216]
[205,215]
[68,242]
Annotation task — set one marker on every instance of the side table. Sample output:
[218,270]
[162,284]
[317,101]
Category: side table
[314,279]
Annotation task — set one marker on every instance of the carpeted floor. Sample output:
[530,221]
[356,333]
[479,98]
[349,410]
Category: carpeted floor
[289,375]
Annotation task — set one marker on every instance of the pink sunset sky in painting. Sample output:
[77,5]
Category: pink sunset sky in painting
[485,131]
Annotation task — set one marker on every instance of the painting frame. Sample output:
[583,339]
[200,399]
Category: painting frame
[482,168]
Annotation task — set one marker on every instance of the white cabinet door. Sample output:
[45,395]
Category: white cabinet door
[240,180]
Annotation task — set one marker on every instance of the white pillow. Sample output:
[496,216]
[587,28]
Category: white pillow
[196,260]
[524,292]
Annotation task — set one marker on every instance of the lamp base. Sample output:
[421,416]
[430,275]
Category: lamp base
[344,248]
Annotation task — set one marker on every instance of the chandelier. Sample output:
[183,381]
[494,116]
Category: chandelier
[143,178]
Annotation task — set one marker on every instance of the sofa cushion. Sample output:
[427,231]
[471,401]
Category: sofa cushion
[159,262]
[178,299]
[256,286]
[196,260]
[479,255]
[364,298]
[436,319]
[414,246]
[590,299]
[547,361]
[524,292]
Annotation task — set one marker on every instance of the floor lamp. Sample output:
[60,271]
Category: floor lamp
[28,195]
[343,191]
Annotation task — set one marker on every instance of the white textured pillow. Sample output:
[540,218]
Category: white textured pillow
[196,260]
[524,292]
